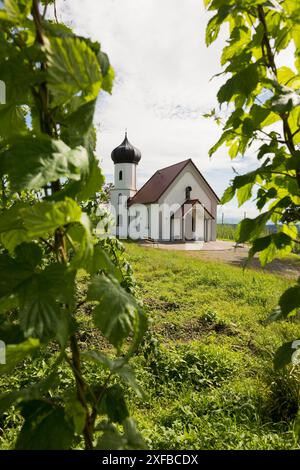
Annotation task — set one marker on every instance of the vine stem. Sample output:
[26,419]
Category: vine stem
[48,127]
[81,391]
[270,60]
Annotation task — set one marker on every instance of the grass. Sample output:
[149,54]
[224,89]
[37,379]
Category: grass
[207,366]
[229,232]
[226,231]
[206,362]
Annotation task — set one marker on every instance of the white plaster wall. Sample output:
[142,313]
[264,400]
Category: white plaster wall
[114,195]
[199,233]
[128,178]
[176,194]
[155,219]
[138,222]
[177,229]
[209,224]
[176,191]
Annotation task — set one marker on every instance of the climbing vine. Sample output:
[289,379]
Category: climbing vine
[262,103]
[49,174]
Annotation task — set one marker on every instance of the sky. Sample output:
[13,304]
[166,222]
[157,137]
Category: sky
[162,88]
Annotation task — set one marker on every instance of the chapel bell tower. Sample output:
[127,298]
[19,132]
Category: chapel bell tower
[126,158]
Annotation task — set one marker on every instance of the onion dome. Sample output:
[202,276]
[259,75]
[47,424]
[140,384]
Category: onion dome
[126,153]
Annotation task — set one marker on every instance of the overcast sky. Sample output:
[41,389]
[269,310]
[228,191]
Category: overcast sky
[162,87]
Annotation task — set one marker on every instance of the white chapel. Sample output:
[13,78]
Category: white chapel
[175,205]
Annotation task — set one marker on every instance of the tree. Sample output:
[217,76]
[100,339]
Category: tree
[47,150]
[263,100]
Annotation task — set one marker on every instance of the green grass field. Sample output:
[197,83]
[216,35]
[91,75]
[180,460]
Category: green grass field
[208,369]
[229,232]
[206,364]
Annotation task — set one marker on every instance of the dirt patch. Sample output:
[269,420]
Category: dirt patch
[162,305]
[195,329]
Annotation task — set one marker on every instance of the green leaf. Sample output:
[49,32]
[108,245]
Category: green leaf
[41,314]
[74,74]
[108,79]
[82,240]
[239,40]
[273,117]
[271,247]
[17,10]
[228,195]
[290,300]
[225,137]
[134,438]
[285,75]
[31,163]
[242,83]
[128,376]
[117,312]
[212,30]
[93,181]
[260,244]
[287,353]
[244,193]
[12,120]
[45,217]
[45,427]
[101,261]
[112,439]
[12,275]
[118,367]
[11,333]
[30,254]
[12,229]
[8,302]
[285,100]
[16,353]
[77,127]
[113,404]
[12,238]
[258,115]
[76,414]
[249,229]
[90,183]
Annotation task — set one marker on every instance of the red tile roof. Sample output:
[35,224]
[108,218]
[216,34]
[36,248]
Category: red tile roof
[154,188]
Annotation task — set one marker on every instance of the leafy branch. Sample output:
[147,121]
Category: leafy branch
[49,172]
[251,59]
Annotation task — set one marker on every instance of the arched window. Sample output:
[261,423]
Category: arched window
[120,175]
[119,198]
[193,222]
[119,220]
[188,191]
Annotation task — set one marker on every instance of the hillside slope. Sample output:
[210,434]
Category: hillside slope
[207,365]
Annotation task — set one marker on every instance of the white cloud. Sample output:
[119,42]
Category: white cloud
[162,85]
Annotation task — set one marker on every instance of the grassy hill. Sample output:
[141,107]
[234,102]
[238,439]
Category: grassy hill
[206,363]
[207,366]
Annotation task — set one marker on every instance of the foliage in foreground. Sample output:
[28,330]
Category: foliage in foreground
[49,172]
[263,104]
[206,362]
